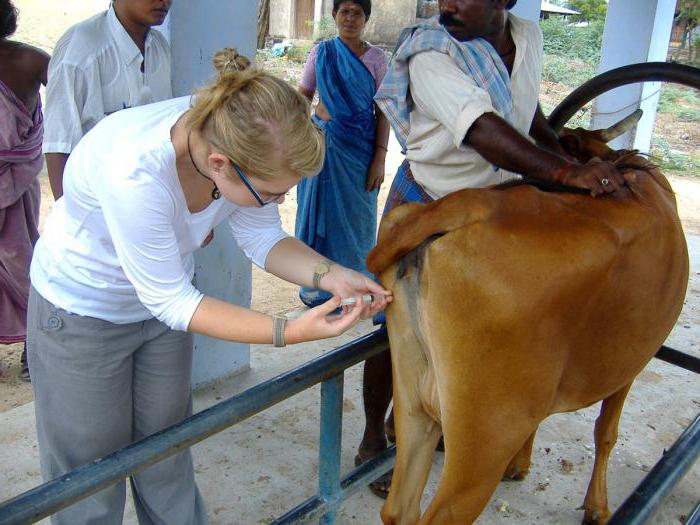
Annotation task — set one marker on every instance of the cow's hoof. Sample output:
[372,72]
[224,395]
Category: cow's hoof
[515,474]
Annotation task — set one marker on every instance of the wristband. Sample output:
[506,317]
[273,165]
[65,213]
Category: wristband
[561,173]
[278,324]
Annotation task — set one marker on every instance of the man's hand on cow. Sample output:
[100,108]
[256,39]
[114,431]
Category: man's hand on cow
[597,176]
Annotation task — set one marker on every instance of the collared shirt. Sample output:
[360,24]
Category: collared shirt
[95,70]
[119,244]
[447,102]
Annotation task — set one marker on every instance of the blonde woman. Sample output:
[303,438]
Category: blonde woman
[112,307]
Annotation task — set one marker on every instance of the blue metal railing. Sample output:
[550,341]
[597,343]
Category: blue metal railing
[641,505]
[49,498]
[328,369]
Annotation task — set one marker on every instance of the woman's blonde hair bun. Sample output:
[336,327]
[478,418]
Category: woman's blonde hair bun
[258,120]
[228,60]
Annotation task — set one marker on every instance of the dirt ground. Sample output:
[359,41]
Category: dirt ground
[42,23]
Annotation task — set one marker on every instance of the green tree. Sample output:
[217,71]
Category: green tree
[688,17]
[591,10]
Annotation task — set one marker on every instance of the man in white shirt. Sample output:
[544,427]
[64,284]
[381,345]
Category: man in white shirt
[109,62]
[462,96]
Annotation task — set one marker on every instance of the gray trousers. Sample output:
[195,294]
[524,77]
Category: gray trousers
[99,386]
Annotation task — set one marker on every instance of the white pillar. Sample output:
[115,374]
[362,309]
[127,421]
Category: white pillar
[197,30]
[528,9]
[635,31]
[322,9]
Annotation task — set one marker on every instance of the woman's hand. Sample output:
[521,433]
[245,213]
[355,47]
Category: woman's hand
[375,174]
[318,323]
[346,283]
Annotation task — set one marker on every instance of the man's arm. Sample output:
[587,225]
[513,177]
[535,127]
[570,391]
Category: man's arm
[502,145]
[66,93]
[452,98]
[545,137]
[55,164]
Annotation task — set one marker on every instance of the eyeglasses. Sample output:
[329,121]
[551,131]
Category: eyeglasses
[275,196]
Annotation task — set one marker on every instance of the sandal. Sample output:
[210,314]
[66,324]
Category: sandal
[380,486]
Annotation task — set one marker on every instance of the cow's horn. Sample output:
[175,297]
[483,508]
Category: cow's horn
[618,129]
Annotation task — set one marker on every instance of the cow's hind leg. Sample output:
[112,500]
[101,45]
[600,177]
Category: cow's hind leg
[519,466]
[417,432]
[477,452]
[596,502]
[416,436]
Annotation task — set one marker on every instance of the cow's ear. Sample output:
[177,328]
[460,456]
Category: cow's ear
[571,144]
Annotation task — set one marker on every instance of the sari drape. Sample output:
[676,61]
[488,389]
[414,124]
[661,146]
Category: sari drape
[20,163]
[336,215]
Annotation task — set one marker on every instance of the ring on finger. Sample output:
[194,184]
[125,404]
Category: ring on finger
[605,182]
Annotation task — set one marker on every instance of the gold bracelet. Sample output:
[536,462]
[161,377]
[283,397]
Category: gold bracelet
[278,324]
[322,268]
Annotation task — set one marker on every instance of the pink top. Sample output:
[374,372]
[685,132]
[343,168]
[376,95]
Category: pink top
[374,58]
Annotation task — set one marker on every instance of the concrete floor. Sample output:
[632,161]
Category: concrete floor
[264,466]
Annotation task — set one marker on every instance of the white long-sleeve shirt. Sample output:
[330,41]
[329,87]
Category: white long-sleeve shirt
[447,101]
[95,70]
[119,244]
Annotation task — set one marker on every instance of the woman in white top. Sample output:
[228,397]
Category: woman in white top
[113,306]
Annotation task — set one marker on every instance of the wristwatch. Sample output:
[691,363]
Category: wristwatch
[322,268]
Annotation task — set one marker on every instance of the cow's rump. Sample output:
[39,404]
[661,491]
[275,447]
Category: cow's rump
[513,304]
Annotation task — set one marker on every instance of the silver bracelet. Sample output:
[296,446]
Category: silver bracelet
[278,324]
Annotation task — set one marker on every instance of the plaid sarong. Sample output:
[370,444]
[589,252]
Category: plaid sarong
[405,189]
[477,58]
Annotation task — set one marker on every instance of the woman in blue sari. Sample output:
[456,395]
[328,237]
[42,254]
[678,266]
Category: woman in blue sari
[337,210]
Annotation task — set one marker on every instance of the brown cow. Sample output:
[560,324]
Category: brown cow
[511,304]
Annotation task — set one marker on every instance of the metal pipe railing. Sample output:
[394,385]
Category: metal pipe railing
[677,358]
[55,495]
[643,503]
[316,507]
[694,516]
[50,497]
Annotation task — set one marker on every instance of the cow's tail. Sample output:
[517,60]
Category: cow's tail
[408,225]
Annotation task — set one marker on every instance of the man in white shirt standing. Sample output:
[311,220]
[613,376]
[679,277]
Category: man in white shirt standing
[462,95]
[106,63]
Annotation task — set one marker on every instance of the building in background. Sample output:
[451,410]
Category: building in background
[311,19]
[549,9]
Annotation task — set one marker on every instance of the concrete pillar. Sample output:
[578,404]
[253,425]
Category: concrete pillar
[197,30]
[528,9]
[635,31]
[323,9]
[281,17]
